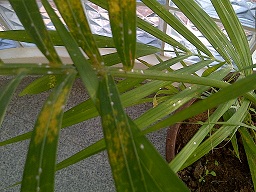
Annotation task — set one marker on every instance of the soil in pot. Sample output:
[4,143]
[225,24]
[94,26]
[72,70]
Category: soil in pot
[220,170]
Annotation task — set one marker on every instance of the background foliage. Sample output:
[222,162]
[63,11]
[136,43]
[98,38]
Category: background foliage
[135,163]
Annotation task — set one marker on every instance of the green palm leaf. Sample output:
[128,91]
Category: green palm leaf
[250,150]
[219,136]
[233,27]
[230,92]
[171,20]
[81,155]
[207,26]
[34,69]
[6,93]
[135,163]
[193,144]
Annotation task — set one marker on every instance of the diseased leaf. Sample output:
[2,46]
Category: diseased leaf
[149,28]
[122,15]
[43,145]
[122,153]
[29,15]
[73,14]
[159,177]
[42,84]
[85,70]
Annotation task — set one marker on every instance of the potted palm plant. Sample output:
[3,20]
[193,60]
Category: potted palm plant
[135,163]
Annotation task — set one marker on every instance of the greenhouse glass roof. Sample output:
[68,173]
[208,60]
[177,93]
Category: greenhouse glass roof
[98,18]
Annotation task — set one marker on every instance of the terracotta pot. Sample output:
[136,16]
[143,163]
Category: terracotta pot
[174,129]
[172,133]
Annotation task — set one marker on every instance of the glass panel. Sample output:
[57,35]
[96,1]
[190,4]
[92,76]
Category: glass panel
[245,11]
[99,22]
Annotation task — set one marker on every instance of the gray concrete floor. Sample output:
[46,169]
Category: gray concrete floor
[91,175]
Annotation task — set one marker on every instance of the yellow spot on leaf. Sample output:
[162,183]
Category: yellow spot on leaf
[55,122]
[52,81]
[48,122]
[117,138]
[114,6]
[42,124]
